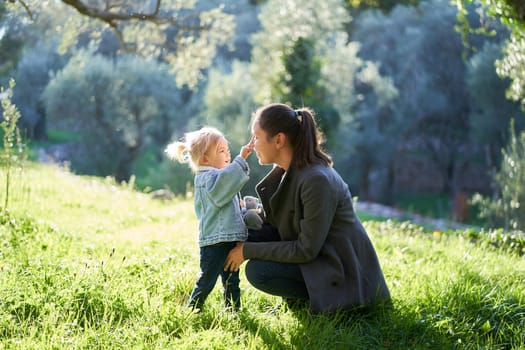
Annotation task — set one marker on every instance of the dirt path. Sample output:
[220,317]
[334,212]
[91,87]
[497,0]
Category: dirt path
[397,214]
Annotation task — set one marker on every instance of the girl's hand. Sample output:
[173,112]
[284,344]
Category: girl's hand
[246,150]
[235,258]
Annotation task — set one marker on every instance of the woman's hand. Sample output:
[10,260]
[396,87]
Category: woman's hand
[235,258]
[246,150]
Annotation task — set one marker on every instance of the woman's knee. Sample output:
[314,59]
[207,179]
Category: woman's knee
[253,272]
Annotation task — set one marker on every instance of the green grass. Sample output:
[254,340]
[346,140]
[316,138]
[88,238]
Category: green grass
[436,205]
[61,136]
[89,264]
[54,137]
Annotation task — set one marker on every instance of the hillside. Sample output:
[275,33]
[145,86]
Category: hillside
[87,263]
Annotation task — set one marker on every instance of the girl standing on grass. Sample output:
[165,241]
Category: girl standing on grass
[218,181]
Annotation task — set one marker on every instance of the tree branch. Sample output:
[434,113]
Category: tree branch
[26,8]
[108,16]
[114,12]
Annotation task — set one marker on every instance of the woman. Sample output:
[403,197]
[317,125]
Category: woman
[313,246]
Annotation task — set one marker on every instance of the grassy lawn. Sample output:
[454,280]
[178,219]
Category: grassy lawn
[89,264]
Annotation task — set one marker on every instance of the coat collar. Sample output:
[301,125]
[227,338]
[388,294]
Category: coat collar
[271,181]
[271,186]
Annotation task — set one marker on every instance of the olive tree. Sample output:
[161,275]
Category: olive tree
[32,75]
[505,209]
[11,43]
[283,23]
[490,111]
[363,98]
[114,108]
[511,14]
[171,31]
[426,65]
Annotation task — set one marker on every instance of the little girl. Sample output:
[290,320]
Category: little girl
[218,181]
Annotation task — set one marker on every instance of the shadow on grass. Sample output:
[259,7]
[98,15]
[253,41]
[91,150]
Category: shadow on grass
[269,335]
[473,313]
[379,327]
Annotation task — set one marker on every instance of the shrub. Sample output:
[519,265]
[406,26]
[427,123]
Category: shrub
[506,208]
[13,152]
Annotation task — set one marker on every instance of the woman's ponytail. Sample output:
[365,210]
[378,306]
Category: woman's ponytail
[309,140]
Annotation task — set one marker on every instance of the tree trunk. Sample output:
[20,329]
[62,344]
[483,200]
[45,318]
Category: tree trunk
[364,192]
[389,183]
[123,170]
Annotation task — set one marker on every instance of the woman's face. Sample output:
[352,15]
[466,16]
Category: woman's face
[264,146]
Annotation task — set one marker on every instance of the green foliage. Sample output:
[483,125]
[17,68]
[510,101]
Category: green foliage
[310,61]
[117,107]
[512,242]
[431,204]
[282,25]
[13,153]
[506,209]
[10,49]
[10,117]
[510,13]
[491,111]
[175,33]
[16,232]
[152,174]
[33,72]
[123,282]
[301,82]
[362,96]
[383,5]
[229,104]
[302,72]
[426,67]
[513,63]
[11,44]
[60,136]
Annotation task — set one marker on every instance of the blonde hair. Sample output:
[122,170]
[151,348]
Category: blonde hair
[194,145]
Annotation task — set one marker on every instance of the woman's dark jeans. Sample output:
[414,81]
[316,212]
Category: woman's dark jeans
[212,260]
[276,278]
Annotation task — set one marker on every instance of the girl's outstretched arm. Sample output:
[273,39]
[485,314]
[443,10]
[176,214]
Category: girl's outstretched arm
[246,150]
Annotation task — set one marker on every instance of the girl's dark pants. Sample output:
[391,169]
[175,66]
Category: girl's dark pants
[212,260]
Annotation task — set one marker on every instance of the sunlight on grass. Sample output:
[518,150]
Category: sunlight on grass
[88,205]
[88,263]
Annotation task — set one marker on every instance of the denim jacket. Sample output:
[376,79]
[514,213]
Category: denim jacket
[217,202]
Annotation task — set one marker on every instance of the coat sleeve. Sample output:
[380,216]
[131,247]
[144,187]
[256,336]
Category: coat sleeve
[227,182]
[318,203]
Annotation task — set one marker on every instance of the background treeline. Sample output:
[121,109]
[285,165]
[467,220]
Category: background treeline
[406,105]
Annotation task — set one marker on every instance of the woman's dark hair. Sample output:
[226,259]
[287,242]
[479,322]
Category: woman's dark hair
[300,128]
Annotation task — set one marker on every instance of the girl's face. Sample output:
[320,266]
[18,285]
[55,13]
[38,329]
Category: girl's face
[218,156]
[264,146]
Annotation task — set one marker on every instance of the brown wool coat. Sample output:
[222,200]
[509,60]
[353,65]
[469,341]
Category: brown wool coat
[312,209]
